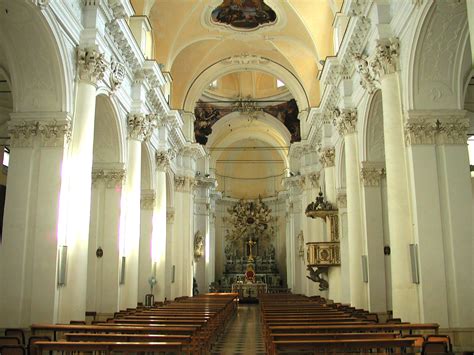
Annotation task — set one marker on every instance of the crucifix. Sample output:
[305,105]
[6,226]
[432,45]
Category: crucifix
[250,243]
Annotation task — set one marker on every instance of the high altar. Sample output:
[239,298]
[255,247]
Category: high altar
[249,246]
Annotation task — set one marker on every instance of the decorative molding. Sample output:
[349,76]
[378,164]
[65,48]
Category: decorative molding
[341,200]
[183,183]
[294,182]
[170,215]
[147,200]
[386,58]
[141,126]
[327,157]
[436,127]
[345,121]
[163,159]
[245,59]
[117,74]
[40,3]
[422,131]
[112,178]
[206,182]
[312,180]
[91,64]
[52,133]
[367,79]
[371,174]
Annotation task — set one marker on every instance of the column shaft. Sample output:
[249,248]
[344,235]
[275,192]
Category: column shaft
[404,292]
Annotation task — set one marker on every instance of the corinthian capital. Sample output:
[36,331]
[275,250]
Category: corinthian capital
[371,173]
[91,64]
[345,121]
[40,3]
[163,159]
[386,60]
[140,126]
[367,79]
[327,157]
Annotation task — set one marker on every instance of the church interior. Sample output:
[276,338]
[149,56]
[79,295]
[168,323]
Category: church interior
[236,167]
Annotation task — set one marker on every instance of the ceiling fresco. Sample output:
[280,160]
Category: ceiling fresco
[208,114]
[243,14]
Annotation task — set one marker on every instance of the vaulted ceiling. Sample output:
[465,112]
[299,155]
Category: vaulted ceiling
[187,42]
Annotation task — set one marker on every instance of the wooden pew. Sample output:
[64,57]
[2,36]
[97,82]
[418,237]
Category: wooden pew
[109,347]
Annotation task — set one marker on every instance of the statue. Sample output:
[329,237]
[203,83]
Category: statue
[198,245]
[315,276]
[300,244]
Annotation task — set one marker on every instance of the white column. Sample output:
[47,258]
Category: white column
[160,225]
[73,228]
[371,175]
[404,292]
[346,124]
[183,236]
[341,198]
[139,128]
[145,253]
[437,152]
[28,252]
[327,161]
[102,289]
[169,260]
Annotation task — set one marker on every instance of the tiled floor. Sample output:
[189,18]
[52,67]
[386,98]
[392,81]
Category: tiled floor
[243,334]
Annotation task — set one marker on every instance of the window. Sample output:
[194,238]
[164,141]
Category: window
[6,156]
[213,85]
[280,83]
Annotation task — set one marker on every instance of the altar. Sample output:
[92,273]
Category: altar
[249,292]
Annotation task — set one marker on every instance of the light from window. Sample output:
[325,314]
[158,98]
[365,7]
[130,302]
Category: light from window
[213,85]
[6,156]
[280,83]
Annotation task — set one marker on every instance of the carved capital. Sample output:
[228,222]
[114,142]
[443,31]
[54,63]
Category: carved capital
[147,200]
[183,183]
[386,59]
[371,174]
[51,133]
[91,64]
[367,79]
[111,178]
[421,131]
[117,74]
[294,182]
[141,126]
[453,130]
[345,121]
[163,159]
[170,216]
[40,3]
[327,157]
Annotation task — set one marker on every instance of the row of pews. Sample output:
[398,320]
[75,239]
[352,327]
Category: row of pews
[187,326]
[300,324]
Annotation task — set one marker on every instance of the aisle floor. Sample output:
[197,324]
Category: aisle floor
[243,334]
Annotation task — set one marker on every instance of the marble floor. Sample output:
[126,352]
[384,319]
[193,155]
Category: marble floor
[243,334]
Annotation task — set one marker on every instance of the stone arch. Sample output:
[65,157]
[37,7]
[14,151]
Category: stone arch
[147,167]
[35,58]
[340,164]
[437,67]
[245,63]
[373,136]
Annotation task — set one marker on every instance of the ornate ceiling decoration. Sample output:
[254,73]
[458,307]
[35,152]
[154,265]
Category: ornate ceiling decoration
[208,114]
[243,14]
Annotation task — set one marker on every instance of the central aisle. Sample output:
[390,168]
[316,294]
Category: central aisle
[243,334]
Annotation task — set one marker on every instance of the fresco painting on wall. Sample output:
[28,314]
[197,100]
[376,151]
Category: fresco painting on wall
[207,114]
[243,14]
